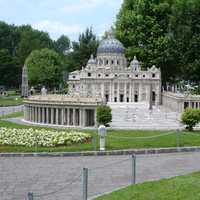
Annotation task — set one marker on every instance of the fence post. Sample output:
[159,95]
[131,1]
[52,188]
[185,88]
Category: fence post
[177,138]
[30,196]
[133,180]
[85,183]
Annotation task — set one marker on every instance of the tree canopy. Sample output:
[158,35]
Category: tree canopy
[163,33]
[87,44]
[45,68]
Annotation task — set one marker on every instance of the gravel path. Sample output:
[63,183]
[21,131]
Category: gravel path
[58,178]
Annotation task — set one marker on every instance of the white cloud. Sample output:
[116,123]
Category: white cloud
[58,28]
[82,5]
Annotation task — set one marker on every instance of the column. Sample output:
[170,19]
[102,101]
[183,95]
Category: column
[43,119]
[113,91]
[52,115]
[74,117]
[39,115]
[125,92]
[34,114]
[47,115]
[68,116]
[80,117]
[130,92]
[95,118]
[102,91]
[118,96]
[110,92]
[62,116]
[31,113]
[56,115]
[140,92]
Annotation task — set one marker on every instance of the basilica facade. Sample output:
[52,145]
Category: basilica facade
[110,77]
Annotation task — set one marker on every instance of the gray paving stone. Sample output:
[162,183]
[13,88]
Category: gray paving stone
[40,175]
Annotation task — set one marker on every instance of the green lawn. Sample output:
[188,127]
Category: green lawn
[10,101]
[115,140]
[177,188]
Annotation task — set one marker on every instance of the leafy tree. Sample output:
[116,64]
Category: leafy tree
[87,44]
[45,67]
[104,114]
[8,70]
[164,33]
[190,117]
[185,38]
[31,40]
[62,44]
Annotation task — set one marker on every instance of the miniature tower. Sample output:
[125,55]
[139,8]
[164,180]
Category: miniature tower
[24,82]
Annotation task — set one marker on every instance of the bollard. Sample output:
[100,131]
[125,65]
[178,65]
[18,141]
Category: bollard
[178,138]
[85,183]
[102,134]
[133,181]
[30,196]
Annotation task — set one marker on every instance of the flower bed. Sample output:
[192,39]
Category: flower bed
[41,137]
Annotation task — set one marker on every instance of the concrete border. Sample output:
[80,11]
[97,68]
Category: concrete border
[105,153]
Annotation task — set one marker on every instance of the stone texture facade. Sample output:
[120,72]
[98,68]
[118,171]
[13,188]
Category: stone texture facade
[108,76]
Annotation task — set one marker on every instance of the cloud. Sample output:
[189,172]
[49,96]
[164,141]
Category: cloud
[83,5]
[57,28]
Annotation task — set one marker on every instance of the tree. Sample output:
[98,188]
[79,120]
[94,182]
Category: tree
[142,27]
[8,70]
[31,40]
[190,117]
[86,45]
[185,38]
[104,114]
[164,33]
[62,44]
[44,67]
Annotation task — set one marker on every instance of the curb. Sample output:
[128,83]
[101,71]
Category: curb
[105,153]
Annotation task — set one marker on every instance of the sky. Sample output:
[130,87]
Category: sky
[57,17]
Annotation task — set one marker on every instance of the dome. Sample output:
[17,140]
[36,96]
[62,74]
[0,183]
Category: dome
[135,64]
[91,61]
[110,45]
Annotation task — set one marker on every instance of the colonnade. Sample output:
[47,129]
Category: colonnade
[130,92]
[68,116]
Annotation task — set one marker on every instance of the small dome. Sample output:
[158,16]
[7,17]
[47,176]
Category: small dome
[135,64]
[110,45]
[91,61]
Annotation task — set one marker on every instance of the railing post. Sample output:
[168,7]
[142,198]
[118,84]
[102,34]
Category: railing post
[133,180]
[30,196]
[85,183]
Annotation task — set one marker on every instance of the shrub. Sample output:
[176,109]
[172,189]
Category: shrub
[190,117]
[104,114]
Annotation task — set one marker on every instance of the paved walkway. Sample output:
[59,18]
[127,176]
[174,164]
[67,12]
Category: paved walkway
[50,178]
[10,109]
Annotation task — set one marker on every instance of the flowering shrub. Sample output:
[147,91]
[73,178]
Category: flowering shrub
[41,137]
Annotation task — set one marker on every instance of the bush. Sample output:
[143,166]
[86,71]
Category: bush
[104,114]
[190,117]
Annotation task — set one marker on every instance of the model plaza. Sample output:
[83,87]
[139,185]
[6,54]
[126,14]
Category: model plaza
[105,79]
[108,79]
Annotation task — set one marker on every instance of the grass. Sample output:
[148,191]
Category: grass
[115,140]
[177,188]
[10,101]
